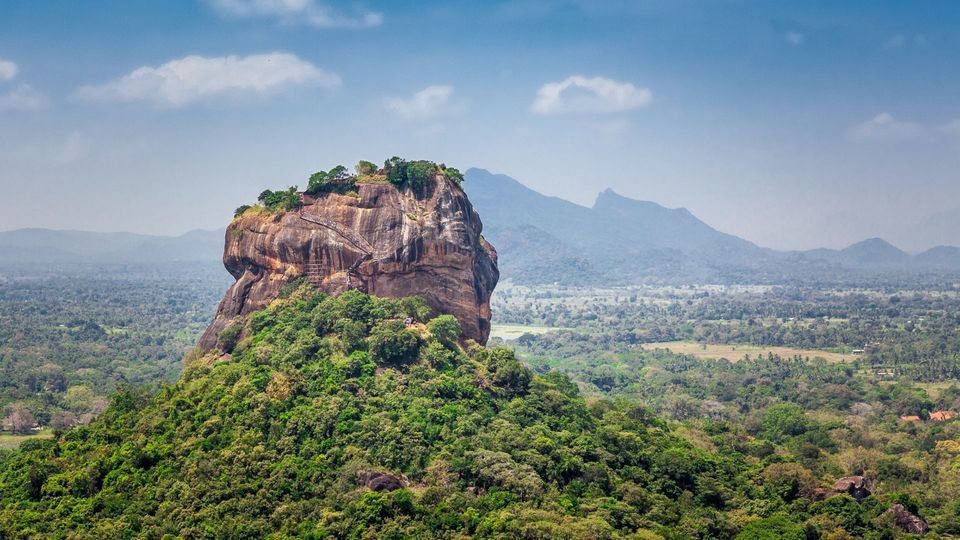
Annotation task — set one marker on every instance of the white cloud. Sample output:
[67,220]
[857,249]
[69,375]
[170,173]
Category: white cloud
[589,94]
[309,12]
[884,127]
[193,78]
[8,70]
[22,98]
[431,102]
[794,38]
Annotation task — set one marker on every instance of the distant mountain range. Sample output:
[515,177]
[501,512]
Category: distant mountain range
[621,240]
[55,246]
[542,239]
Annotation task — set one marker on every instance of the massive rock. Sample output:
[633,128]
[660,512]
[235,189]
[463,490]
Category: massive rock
[381,240]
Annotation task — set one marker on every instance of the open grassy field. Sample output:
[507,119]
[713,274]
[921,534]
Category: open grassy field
[9,441]
[513,331]
[736,352]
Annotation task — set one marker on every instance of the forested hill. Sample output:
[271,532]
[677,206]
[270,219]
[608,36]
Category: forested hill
[362,417]
[339,417]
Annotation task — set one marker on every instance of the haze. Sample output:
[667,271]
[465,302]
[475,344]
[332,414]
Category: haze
[793,126]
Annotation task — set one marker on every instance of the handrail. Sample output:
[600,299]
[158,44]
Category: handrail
[349,235]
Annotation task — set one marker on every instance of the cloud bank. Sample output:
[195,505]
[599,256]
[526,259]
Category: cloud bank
[308,12]
[187,80]
[589,94]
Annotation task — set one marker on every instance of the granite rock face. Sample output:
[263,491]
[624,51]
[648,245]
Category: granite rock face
[382,240]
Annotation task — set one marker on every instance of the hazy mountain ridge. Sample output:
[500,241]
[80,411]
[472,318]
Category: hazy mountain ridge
[548,239]
[48,245]
[621,239]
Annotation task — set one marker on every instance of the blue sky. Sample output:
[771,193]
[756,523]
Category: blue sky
[792,124]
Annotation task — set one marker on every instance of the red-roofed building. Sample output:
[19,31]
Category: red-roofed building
[910,418]
[941,416]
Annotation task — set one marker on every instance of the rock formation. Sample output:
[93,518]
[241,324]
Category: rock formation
[381,240]
[857,487]
[906,520]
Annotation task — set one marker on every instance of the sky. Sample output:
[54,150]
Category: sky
[792,124]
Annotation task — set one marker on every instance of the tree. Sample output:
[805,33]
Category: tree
[506,373]
[420,172]
[365,168]
[784,420]
[19,419]
[391,343]
[445,329]
[396,171]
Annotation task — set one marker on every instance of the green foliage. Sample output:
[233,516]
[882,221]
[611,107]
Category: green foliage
[321,391]
[445,328]
[278,440]
[420,172]
[417,173]
[228,337]
[240,210]
[507,374]
[784,420]
[365,168]
[453,174]
[280,201]
[416,308]
[775,527]
[71,333]
[336,180]
[392,343]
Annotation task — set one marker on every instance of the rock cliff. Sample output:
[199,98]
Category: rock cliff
[381,240]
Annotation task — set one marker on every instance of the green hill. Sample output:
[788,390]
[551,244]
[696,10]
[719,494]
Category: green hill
[361,417]
[334,418]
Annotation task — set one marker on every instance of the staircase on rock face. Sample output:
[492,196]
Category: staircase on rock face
[314,271]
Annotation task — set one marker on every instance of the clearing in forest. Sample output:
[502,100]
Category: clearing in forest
[735,352]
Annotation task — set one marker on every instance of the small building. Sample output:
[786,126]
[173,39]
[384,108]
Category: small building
[942,416]
[910,418]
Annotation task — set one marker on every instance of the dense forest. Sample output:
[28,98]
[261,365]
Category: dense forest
[70,334]
[361,417]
